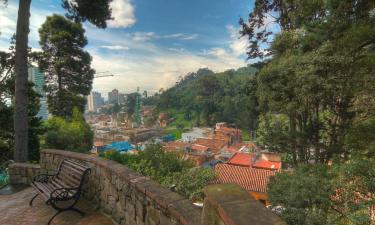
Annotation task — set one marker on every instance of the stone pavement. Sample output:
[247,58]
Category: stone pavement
[15,210]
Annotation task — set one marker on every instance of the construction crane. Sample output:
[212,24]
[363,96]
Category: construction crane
[103,74]
[106,75]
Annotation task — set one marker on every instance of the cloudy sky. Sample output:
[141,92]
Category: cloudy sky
[150,43]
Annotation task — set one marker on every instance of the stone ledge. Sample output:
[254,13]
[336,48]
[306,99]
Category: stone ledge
[234,206]
[24,166]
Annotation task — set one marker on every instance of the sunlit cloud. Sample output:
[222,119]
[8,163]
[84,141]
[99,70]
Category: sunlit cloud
[122,13]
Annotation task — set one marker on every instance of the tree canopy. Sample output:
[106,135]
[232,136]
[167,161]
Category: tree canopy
[66,64]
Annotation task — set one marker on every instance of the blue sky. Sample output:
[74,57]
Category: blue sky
[150,43]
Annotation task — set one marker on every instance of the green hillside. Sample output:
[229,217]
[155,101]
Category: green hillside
[204,98]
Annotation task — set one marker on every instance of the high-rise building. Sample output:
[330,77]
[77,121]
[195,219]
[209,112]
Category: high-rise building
[121,99]
[37,77]
[113,97]
[94,101]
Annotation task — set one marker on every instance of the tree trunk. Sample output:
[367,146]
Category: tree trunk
[21,84]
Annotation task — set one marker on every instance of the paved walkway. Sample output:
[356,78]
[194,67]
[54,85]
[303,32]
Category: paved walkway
[15,210]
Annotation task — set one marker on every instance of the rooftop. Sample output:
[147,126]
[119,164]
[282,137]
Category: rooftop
[15,210]
[250,179]
[264,164]
[241,159]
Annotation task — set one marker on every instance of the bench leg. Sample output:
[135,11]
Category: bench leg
[31,201]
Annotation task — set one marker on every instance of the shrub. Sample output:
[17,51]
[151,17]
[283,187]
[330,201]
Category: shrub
[69,134]
[167,168]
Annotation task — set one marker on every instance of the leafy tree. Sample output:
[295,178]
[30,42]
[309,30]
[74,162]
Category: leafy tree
[66,65]
[304,194]
[95,12]
[321,194]
[69,134]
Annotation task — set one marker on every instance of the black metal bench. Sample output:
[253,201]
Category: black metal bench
[63,189]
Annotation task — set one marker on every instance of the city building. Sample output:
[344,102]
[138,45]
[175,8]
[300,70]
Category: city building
[122,99]
[37,77]
[94,101]
[113,97]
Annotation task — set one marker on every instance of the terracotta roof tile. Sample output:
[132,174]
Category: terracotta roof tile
[199,147]
[241,159]
[263,164]
[248,178]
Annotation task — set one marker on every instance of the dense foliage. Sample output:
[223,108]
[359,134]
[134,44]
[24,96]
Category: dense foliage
[66,64]
[206,97]
[321,195]
[168,168]
[69,134]
[320,74]
[316,99]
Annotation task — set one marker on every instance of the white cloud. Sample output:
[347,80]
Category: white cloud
[143,36]
[179,36]
[8,18]
[115,47]
[146,36]
[237,44]
[122,13]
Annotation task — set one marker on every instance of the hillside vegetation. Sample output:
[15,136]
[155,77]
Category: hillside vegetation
[204,98]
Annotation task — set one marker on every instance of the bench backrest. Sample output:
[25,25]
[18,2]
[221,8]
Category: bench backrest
[71,174]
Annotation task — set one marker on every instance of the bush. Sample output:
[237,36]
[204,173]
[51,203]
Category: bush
[72,135]
[167,168]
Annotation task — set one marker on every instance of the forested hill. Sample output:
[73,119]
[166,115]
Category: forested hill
[205,97]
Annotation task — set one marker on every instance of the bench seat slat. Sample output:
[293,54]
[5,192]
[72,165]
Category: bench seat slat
[67,179]
[73,170]
[76,176]
[75,165]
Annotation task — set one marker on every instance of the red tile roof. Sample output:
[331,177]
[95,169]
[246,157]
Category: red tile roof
[214,144]
[241,159]
[248,178]
[175,145]
[199,147]
[263,164]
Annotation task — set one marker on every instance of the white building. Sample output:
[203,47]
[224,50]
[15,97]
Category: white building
[195,133]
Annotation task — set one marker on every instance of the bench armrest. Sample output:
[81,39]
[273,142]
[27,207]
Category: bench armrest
[63,194]
[43,177]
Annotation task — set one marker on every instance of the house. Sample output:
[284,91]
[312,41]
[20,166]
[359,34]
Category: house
[232,135]
[175,146]
[255,181]
[242,159]
[267,165]
[195,133]
[215,145]
[256,160]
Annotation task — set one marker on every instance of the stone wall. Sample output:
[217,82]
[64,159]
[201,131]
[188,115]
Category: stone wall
[22,173]
[128,197]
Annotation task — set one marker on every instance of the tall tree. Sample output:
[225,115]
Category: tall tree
[66,64]
[96,12]
[21,98]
